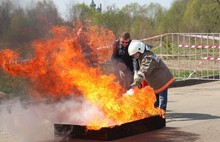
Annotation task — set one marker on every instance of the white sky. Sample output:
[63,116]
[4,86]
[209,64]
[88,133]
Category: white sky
[63,5]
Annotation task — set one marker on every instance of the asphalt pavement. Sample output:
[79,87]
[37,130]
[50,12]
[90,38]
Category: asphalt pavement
[193,115]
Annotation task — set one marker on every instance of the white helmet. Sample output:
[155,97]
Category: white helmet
[136,46]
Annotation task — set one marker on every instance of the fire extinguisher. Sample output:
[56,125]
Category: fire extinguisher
[143,83]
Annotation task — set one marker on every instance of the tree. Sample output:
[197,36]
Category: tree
[6,10]
[192,16]
[19,27]
[172,19]
[80,11]
[210,16]
[42,17]
[141,21]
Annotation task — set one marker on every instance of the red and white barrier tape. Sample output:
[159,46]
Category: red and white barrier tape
[104,47]
[19,61]
[144,39]
[199,46]
[217,37]
[210,59]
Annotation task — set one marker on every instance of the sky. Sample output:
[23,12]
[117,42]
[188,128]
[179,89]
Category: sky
[63,5]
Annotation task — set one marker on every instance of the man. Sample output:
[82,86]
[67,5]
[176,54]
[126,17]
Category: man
[123,63]
[153,70]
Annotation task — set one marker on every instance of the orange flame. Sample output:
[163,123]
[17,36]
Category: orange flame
[60,69]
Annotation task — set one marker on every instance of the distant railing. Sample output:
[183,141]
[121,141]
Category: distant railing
[189,55]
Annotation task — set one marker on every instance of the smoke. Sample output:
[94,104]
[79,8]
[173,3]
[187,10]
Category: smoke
[34,121]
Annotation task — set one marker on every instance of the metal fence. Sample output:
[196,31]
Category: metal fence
[189,55]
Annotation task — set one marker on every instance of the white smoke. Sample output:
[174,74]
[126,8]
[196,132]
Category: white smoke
[34,122]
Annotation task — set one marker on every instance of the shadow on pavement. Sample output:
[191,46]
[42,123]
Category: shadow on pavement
[189,82]
[166,134]
[190,116]
[162,135]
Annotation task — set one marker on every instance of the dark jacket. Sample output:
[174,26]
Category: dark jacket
[155,71]
[120,54]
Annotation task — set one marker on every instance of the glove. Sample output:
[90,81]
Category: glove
[136,84]
[137,81]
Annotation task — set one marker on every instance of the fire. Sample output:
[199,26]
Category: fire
[60,69]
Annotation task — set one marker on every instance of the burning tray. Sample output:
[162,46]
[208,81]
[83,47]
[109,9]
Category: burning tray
[110,133]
